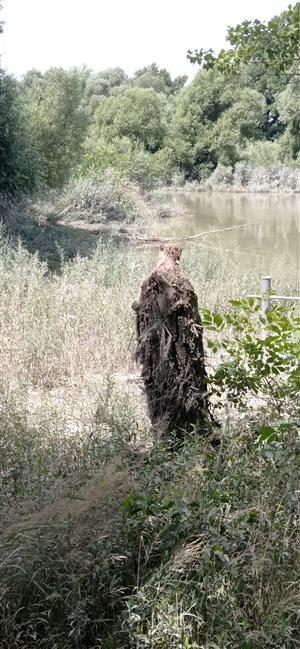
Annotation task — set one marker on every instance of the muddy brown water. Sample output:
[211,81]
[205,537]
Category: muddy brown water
[272,222]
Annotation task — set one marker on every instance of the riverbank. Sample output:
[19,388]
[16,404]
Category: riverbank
[245,178]
[60,225]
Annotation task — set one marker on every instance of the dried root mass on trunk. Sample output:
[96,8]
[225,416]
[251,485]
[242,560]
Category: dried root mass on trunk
[170,348]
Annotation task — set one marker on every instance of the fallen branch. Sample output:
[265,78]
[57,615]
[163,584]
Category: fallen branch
[194,236]
[233,227]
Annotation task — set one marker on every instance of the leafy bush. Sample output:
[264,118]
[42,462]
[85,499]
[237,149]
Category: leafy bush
[52,104]
[260,353]
[218,556]
[127,159]
[19,158]
[102,198]
[100,156]
[261,154]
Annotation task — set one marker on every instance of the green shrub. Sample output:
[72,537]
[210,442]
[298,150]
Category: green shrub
[260,353]
[260,154]
[103,198]
[20,162]
[219,560]
[129,160]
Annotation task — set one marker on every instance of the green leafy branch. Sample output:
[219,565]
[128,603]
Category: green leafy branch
[260,355]
[275,44]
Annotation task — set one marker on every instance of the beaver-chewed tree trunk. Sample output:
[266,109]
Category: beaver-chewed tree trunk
[170,348]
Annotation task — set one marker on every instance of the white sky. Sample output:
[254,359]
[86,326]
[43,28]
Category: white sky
[126,33]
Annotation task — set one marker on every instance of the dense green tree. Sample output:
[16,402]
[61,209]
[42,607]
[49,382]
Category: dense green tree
[19,159]
[262,60]
[242,105]
[53,102]
[136,113]
[115,76]
[269,84]
[159,79]
[288,105]
[212,120]
[238,124]
[100,85]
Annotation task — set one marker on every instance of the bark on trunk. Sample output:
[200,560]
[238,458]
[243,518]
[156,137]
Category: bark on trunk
[170,348]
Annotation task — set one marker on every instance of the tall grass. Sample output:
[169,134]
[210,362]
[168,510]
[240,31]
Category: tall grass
[72,328]
[203,553]
[63,334]
[219,557]
[56,328]
[246,177]
[66,350]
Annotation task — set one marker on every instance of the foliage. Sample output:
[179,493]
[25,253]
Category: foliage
[274,45]
[217,544]
[212,119]
[260,354]
[261,153]
[288,105]
[264,57]
[238,124]
[127,159]
[136,113]
[53,105]
[19,159]
[159,79]
[100,155]
[202,554]
[102,84]
[101,198]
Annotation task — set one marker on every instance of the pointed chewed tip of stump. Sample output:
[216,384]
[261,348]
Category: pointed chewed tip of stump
[169,253]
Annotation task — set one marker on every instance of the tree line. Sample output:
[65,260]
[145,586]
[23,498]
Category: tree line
[241,105]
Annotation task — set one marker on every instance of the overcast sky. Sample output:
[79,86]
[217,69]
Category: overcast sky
[126,33]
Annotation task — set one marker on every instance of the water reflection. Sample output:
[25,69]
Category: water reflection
[273,222]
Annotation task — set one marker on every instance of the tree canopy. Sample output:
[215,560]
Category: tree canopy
[136,113]
[242,105]
[275,44]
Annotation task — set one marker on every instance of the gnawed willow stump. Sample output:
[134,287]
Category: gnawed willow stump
[170,348]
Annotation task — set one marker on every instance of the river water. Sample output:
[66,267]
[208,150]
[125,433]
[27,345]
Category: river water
[272,223]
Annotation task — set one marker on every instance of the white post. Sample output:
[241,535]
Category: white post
[266,286]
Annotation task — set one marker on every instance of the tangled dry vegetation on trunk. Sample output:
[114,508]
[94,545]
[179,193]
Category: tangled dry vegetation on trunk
[170,347]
